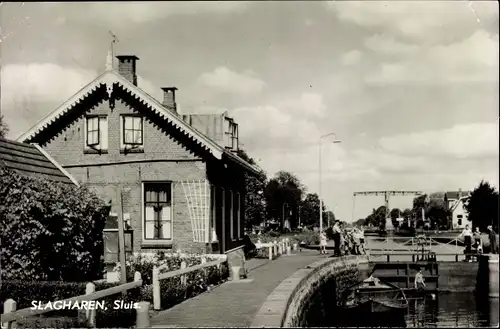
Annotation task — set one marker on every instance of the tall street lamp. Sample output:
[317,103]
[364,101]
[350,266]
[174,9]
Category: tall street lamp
[335,141]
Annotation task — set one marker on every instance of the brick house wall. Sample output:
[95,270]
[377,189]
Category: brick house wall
[163,159]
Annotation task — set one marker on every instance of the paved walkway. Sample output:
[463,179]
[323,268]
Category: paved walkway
[234,304]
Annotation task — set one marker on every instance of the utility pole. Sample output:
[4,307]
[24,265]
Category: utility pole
[320,179]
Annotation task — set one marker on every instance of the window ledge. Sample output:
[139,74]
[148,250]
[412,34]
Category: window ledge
[156,244]
[135,150]
[91,151]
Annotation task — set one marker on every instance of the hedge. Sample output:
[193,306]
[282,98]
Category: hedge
[50,231]
[172,291]
[24,292]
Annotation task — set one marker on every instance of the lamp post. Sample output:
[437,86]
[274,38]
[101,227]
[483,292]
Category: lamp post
[320,178]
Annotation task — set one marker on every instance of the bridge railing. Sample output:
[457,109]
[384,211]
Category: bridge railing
[412,244]
[416,247]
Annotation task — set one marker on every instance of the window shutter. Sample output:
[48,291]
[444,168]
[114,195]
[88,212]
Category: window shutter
[104,133]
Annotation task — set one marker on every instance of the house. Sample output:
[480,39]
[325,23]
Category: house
[455,201]
[31,160]
[175,180]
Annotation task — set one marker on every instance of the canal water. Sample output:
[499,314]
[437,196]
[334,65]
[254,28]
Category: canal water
[453,310]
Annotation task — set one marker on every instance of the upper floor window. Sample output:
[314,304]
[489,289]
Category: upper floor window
[132,130]
[231,134]
[96,133]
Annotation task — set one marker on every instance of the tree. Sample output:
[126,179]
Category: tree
[377,218]
[282,193]
[50,231]
[394,214]
[438,212]
[309,210]
[329,217]
[255,211]
[360,222]
[3,127]
[407,215]
[482,206]
[419,203]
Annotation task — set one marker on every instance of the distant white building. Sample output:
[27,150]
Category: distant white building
[455,202]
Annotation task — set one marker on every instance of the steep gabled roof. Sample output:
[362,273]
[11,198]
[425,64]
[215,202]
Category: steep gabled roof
[31,160]
[111,80]
[457,202]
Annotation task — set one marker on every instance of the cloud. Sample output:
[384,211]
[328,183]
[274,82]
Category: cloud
[31,91]
[415,19]
[125,13]
[274,127]
[475,59]
[383,44]
[477,140]
[351,58]
[224,80]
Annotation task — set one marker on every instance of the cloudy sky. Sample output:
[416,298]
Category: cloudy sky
[411,88]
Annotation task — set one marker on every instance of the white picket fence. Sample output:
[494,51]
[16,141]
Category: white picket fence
[277,247]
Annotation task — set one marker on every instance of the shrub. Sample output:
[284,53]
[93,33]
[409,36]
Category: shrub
[50,231]
[55,323]
[24,292]
[172,289]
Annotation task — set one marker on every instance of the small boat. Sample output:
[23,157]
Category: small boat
[374,302]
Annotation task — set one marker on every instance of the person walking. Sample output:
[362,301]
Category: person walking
[355,239]
[467,235]
[322,242]
[493,240]
[419,280]
[336,238]
[362,239]
[478,242]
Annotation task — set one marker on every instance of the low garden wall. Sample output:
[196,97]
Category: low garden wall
[310,295]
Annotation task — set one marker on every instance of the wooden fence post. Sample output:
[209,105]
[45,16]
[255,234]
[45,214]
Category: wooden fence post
[203,261]
[142,315]
[183,277]
[270,252]
[91,313]
[9,306]
[275,244]
[156,289]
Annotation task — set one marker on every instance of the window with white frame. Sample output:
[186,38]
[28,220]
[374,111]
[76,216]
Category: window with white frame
[234,136]
[132,130]
[96,132]
[158,211]
[231,133]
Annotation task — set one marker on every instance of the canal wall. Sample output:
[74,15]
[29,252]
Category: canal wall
[310,295]
[453,276]
[457,276]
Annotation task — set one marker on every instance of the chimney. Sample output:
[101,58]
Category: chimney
[460,194]
[127,68]
[169,98]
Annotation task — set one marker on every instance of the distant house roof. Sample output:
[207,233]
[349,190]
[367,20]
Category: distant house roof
[31,160]
[453,195]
